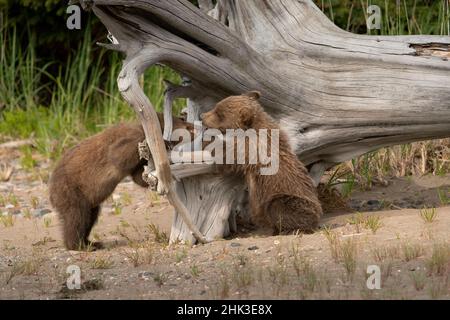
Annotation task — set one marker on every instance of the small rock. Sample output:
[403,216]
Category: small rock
[39,213]
[145,274]
[235,245]
[355,204]
[253,248]
[3,262]
[373,205]
[9,206]
[401,204]
[373,202]
[6,187]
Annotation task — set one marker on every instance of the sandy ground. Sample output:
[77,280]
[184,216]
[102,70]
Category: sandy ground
[413,255]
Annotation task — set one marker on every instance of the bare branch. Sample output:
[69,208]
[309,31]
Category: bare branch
[16,144]
[188,170]
[171,93]
[129,87]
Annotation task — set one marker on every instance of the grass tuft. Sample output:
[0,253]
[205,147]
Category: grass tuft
[7,220]
[428,215]
[439,262]
[412,251]
[101,263]
[160,236]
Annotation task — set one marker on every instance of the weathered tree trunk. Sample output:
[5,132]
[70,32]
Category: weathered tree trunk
[337,94]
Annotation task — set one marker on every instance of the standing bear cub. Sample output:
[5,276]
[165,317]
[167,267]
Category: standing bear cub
[285,201]
[88,174]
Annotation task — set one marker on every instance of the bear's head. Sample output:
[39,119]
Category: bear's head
[235,112]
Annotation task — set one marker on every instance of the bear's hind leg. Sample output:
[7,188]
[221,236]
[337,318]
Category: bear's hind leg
[93,218]
[289,213]
[76,221]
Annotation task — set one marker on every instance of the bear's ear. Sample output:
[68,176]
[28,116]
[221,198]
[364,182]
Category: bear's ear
[246,116]
[255,95]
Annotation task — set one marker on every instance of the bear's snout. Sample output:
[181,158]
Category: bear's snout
[206,119]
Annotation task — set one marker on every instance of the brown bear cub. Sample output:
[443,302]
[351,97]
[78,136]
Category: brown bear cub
[285,201]
[88,174]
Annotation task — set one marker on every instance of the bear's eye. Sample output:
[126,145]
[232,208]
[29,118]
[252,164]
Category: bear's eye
[219,115]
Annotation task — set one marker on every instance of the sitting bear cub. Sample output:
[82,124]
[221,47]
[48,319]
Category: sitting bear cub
[285,201]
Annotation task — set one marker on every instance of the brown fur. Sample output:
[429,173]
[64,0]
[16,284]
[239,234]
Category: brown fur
[286,201]
[87,175]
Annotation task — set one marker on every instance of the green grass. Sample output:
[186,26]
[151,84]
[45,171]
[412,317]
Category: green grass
[370,222]
[7,220]
[160,236]
[439,262]
[80,99]
[47,222]
[195,271]
[444,196]
[349,257]
[373,223]
[27,161]
[117,208]
[419,280]
[428,215]
[412,251]
[102,263]
[398,17]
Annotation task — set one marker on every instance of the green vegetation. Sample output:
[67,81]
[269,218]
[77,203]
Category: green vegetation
[428,215]
[59,109]
[398,17]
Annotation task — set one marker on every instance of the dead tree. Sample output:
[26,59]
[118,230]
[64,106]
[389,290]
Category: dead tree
[337,94]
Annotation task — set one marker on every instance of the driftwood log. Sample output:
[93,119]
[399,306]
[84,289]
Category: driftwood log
[337,94]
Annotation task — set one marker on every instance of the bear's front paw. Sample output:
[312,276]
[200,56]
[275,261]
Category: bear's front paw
[144,151]
[150,179]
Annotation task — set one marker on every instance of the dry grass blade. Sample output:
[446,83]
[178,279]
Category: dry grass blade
[6,172]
